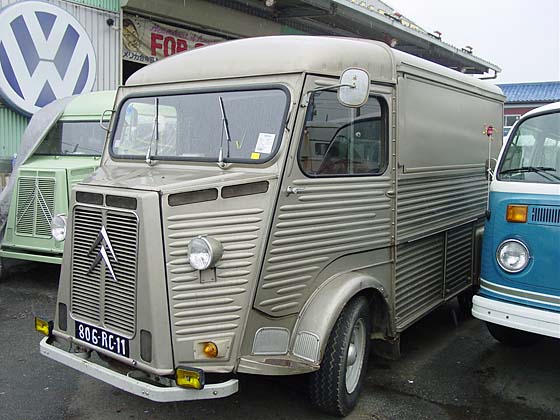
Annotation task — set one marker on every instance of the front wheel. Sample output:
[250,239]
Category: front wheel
[336,386]
[512,337]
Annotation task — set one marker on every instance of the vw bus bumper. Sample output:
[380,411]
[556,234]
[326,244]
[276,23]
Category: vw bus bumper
[538,321]
[135,386]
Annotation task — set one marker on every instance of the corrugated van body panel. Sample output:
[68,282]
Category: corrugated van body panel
[328,219]
[435,201]
[419,272]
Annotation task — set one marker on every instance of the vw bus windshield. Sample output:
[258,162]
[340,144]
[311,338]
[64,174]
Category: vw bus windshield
[533,153]
[83,138]
[197,126]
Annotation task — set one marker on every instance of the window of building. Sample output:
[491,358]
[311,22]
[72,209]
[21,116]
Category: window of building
[509,121]
[340,141]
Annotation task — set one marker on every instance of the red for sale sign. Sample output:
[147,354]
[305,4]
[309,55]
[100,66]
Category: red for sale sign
[145,41]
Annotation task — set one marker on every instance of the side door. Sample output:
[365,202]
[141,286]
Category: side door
[335,204]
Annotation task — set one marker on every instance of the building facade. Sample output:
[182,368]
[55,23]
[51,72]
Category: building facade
[523,97]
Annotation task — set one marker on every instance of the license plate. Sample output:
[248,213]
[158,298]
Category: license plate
[101,338]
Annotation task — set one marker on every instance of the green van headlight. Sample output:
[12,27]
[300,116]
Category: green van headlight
[58,227]
[204,252]
[513,256]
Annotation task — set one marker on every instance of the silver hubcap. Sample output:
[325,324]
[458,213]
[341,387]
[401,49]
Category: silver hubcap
[355,356]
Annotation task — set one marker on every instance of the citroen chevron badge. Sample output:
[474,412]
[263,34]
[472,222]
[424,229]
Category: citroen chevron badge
[45,54]
[103,238]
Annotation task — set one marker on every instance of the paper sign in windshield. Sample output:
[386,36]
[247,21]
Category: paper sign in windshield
[265,143]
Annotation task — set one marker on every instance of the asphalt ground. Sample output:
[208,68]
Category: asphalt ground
[448,370]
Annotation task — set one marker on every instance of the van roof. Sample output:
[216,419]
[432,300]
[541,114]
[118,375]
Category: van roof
[90,105]
[293,54]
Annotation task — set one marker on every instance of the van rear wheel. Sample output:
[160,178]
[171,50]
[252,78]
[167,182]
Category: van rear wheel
[512,337]
[335,387]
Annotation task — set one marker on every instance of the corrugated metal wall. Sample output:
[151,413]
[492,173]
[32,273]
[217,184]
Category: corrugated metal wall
[11,129]
[107,44]
[112,5]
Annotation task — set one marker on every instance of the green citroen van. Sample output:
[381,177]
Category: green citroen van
[69,152]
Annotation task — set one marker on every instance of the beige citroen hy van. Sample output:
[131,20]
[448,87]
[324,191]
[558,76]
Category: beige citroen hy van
[269,206]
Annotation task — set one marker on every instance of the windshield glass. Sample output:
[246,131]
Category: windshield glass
[73,138]
[533,154]
[191,126]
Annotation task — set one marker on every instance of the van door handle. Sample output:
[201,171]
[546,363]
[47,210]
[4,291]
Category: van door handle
[294,190]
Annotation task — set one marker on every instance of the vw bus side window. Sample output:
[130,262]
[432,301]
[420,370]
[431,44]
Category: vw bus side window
[73,138]
[533,154]
[343,141]
[191,127]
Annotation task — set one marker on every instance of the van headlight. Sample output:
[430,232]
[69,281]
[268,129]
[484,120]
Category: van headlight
[513,256]
[204,252]
[58,227]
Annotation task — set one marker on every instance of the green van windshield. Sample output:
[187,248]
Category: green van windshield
[82,138]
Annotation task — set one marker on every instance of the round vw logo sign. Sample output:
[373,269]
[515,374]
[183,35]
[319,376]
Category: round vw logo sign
[45,54]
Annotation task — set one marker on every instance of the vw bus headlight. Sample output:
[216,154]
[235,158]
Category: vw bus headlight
[58,227]
[513,256]
[204,252]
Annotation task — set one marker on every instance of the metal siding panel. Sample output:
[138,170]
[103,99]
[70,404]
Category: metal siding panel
[12,126]
[110,5]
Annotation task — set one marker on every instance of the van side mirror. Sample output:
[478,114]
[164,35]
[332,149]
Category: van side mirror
[490,167]
[354,88]
[102,118]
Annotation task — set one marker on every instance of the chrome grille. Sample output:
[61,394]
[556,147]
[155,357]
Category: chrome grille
[35,206]
[96,297]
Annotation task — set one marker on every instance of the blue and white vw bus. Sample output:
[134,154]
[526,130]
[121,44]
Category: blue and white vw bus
[519,294]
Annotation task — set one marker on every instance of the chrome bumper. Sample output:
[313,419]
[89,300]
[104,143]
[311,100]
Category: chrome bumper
[520,317]
[134,386]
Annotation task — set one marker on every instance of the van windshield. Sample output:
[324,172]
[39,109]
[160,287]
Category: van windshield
[71,138]
[191,126]
[533,153]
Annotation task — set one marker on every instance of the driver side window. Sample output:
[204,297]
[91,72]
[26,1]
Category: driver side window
[341,141]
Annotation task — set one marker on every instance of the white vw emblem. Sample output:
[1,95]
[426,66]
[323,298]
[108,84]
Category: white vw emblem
[45,54]
[103,238]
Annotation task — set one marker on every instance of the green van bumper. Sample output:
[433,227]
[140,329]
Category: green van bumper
[22,255]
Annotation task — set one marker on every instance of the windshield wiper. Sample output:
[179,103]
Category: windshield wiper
[228,137]
[155,134]
[536,169]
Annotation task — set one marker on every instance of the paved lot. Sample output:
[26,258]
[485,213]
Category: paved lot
[446,372]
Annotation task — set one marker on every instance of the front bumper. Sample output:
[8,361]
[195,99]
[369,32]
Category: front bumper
[30,256]
[538,321]
[135,386]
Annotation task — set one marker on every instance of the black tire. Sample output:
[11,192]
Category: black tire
[328,388]
[512,337]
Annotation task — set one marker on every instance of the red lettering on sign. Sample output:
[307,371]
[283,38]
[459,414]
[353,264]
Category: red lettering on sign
[156,43]
[199,44]
[169,45]
[181,45]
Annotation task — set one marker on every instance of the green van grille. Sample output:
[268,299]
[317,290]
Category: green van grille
[35,206]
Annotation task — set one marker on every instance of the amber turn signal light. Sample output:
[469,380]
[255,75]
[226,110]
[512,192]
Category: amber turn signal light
[210,349]
[516,213]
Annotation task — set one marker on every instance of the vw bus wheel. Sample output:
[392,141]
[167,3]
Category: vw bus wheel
[336,386]
[512,337]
